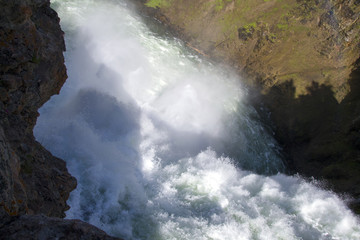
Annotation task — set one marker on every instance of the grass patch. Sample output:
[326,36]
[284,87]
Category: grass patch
[250,27]
[219,4]
[282,26]
[158,3]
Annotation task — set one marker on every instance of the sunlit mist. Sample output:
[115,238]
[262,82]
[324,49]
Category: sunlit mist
[164,144]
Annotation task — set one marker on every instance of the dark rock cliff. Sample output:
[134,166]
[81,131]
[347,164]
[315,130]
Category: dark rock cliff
[38,227]
[301,59]
[32,181]
[32,70]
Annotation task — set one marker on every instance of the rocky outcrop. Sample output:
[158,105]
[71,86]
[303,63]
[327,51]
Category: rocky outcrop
[300,58]
[42,228]
[32,181]
[272,41]
[32,70]
[321,136]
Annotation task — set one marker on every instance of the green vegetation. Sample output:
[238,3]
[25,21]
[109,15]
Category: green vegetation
[230,22]
[250,27]
[284,31]
[158,3]
[219,4]
[282,26]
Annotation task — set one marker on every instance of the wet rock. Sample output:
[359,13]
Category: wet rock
[28,27]
[32,180]
[40,227]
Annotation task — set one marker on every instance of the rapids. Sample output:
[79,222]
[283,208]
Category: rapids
[164,144]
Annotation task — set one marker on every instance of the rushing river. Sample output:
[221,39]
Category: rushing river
[164,144]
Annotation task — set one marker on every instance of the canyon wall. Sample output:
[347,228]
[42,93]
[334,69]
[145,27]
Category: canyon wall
[300,58]
[34,185]
[32,70]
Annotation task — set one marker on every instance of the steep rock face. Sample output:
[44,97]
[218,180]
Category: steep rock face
[32,70]
[273,41]
[320,135]
[300,56]
[32,181]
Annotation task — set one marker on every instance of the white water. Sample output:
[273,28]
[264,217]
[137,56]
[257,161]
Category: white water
[159,139]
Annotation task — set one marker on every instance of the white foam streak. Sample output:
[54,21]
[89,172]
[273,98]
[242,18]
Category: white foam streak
[159,139]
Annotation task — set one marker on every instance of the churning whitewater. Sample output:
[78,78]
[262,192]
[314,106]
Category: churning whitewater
[163,143]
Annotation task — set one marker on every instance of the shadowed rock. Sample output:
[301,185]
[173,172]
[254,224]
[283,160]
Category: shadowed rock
[32,181]
[42,228]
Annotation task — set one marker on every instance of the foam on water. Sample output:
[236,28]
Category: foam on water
[164,145]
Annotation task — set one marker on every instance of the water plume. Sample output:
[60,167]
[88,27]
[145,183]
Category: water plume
[164,145]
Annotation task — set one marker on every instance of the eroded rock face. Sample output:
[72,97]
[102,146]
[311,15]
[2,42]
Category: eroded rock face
[32,181]
[31,71]
[273,41]
[301,58]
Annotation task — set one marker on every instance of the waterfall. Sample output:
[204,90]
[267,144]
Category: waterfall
[164,144]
